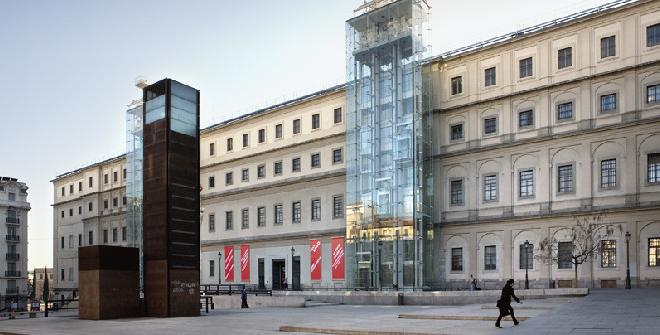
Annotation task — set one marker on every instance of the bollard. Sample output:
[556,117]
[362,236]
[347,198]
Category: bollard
[399,298]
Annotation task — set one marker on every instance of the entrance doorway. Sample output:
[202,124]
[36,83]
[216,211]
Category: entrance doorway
[295,274]
[262,283]
[279,273]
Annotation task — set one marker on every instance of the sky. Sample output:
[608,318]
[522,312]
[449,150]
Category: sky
[68,67]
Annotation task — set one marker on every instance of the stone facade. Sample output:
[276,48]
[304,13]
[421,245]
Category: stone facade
[14,209]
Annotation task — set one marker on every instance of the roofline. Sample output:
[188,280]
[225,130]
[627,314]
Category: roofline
[546,26]
[266,110]
[73,172]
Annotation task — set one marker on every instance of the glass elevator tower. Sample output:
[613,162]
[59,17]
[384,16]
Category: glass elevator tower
[388,229]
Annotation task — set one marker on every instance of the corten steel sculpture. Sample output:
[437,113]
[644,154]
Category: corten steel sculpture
[171,199]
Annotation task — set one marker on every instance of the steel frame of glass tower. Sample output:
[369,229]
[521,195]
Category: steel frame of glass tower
[134,166]
[388,229]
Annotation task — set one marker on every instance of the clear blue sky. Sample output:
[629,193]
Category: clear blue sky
[67,68]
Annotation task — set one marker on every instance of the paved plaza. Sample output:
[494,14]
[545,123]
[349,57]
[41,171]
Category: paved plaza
[614,311]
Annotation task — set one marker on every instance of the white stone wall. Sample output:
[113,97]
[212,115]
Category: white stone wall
[21,205]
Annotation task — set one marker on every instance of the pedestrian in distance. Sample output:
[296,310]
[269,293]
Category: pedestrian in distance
[244,303]
[473,283]
[504,304]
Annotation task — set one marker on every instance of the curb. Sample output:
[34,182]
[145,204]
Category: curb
[457,317]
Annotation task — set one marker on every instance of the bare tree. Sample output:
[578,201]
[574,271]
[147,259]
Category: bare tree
[586,236]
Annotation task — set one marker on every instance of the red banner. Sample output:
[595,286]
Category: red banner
[229,263]
[315,259]
[337,246]
[245,262]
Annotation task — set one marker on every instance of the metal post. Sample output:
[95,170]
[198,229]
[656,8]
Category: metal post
[293,252]
[220,273]
[628,260]
[526,264]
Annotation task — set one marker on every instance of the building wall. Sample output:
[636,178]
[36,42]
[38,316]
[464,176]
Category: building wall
[74,194]
[274,241]
[13,282]
[628,133]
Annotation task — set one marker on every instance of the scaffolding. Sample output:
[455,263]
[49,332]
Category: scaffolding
[388,143]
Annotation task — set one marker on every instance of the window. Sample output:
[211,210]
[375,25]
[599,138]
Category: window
[490,187]
[456,85]
[115,202]
[608,254]
[338,115]
[90,206]
[62,242]
[229,220]
[278,130]
[316,209]
[490,125]
[456,191]
[652,94]
[105,179]
[70,211]
[526,118]
[316,160]
[316,121]
[123,173]
[295,164]
[79,210]
[62,213]
[261,171]
[565,111]
[457,259]
[564,255]
[229,178]
[90,238]
[456,132]
[277,168]
[114,235]
[105,236]
[105,204]
[653,35]
[526,183]
[565,58]
[261,135]
[230,144]
[526,256]
[123,200]
[337,206]
[278,217]
[261,216]
[296,212]
[80,240]
[526,67]
[211,149]
[608,173]
[115,177]
[211,223]
[212,268]
[90,181]
[490,77]
[608,46]
[124,236]
[490,257]
[211,182]
[337,156]
[62,274]
[653,168]
[80,186]
[565,179]
[246,140]
[296,126]
[245,175]
[607,103]
[62,191]
[654,251]
[245,218]
[71,189]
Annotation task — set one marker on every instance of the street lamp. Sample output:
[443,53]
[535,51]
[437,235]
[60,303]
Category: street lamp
[527,264]
[627,260]
[220,264]
[293,252]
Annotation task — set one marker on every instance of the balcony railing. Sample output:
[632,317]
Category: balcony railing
[13,256]
[13,238]
[12,220]
[12,273]
[11,290]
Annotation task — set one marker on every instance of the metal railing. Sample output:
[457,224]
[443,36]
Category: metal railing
[12,220]
[13,256]
[11,290]
[229,289]
[12,273]
[205,302]
[13,238]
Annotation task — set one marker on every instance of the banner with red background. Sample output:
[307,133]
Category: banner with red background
[229,263]
[337,246]
[315,259]
[245,262]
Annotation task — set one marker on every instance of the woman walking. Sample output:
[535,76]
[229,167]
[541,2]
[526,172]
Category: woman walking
[504,304]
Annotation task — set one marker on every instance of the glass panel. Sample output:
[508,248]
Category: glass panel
[155,109]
